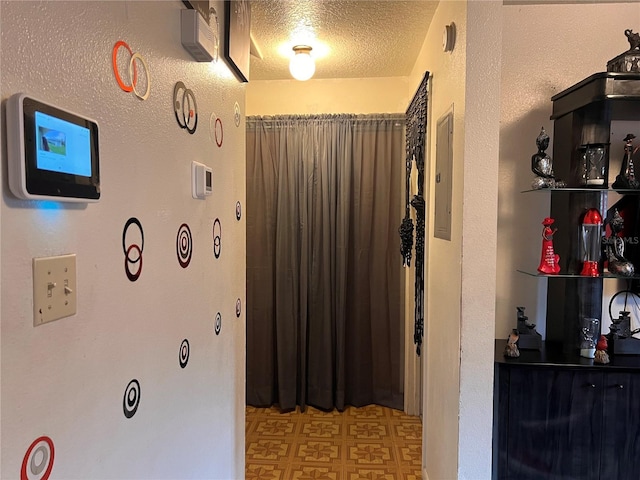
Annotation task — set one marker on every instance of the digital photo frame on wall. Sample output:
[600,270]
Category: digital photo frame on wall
[237,43]
[52,153]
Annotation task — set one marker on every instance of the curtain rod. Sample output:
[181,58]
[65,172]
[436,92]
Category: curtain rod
[322,117]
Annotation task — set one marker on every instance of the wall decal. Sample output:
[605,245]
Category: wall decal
[236,114]
[238,308]
[238,211]
[184,245]
[131,398]
[217,238]
[218,325]
[138,248]
[219,136]
[38,461]
[183,355]
[216,132]
[135,60]
[185,107]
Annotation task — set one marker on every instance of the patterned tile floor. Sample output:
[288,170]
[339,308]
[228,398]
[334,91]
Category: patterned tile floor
[371,442]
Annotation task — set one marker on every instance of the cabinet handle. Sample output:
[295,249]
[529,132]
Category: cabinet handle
[591,385]
[620,386]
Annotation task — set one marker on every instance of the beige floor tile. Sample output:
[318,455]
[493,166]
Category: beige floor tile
[369,443]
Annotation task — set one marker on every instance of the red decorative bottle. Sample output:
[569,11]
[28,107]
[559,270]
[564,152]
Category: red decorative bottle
[549,261]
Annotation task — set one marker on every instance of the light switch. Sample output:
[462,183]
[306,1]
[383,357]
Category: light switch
[54,288]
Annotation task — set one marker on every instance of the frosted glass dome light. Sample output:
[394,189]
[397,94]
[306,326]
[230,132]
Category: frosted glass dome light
[302,66]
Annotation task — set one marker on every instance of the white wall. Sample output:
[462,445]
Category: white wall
[540,59]
[479,238]
[336,95]
[461,272]
[66,379]
[443,258]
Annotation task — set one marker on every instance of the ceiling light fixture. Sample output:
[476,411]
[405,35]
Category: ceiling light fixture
[302,66]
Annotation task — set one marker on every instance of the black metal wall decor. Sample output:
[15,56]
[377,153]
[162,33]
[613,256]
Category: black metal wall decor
[416,125]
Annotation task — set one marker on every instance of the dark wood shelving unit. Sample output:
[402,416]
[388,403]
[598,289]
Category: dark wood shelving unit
[582,114]
[558,415]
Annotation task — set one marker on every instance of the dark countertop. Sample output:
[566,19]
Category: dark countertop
[552,355]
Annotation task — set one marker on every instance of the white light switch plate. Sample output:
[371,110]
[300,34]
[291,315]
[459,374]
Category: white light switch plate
[54,288]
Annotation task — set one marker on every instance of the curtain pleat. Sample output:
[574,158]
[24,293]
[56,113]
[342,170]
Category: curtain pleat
[324,323]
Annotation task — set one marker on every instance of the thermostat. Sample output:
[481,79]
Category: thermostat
[201,180]
[52,153]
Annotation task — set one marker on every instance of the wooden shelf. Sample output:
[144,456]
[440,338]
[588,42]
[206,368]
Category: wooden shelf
[553,355]
[583,190]
[599,87]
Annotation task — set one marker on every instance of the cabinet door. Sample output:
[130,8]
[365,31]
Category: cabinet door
[621,438]
[555,424]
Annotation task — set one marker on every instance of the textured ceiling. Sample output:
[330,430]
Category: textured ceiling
[350,38]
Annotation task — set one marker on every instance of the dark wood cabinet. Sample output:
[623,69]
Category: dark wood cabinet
[620,445]
[550,411]
[569,422]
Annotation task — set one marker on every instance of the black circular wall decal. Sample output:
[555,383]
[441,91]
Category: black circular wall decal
[133,247]
[238,308]
[131,398]
[38,460]
[184,245]
[183,356]
[236,114]
[217,238]
[218,326]
[216,131]
[218,127]
[185,107]
[238,211]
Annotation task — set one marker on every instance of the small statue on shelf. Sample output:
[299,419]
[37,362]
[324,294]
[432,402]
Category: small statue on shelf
[549,261]
[542,165]
[616,263]
[629,61]
[511,348]
[626,179]
[529,337]
[601,355]
[634,39]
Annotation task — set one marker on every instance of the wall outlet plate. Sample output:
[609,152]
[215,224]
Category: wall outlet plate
[54,288]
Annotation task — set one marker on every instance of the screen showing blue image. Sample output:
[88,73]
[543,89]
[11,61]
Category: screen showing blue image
[62,146]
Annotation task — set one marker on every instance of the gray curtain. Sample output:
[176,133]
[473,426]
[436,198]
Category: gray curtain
[324,270]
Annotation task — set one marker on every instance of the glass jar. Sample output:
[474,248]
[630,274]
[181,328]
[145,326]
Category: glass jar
[594,160]
[589,328]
